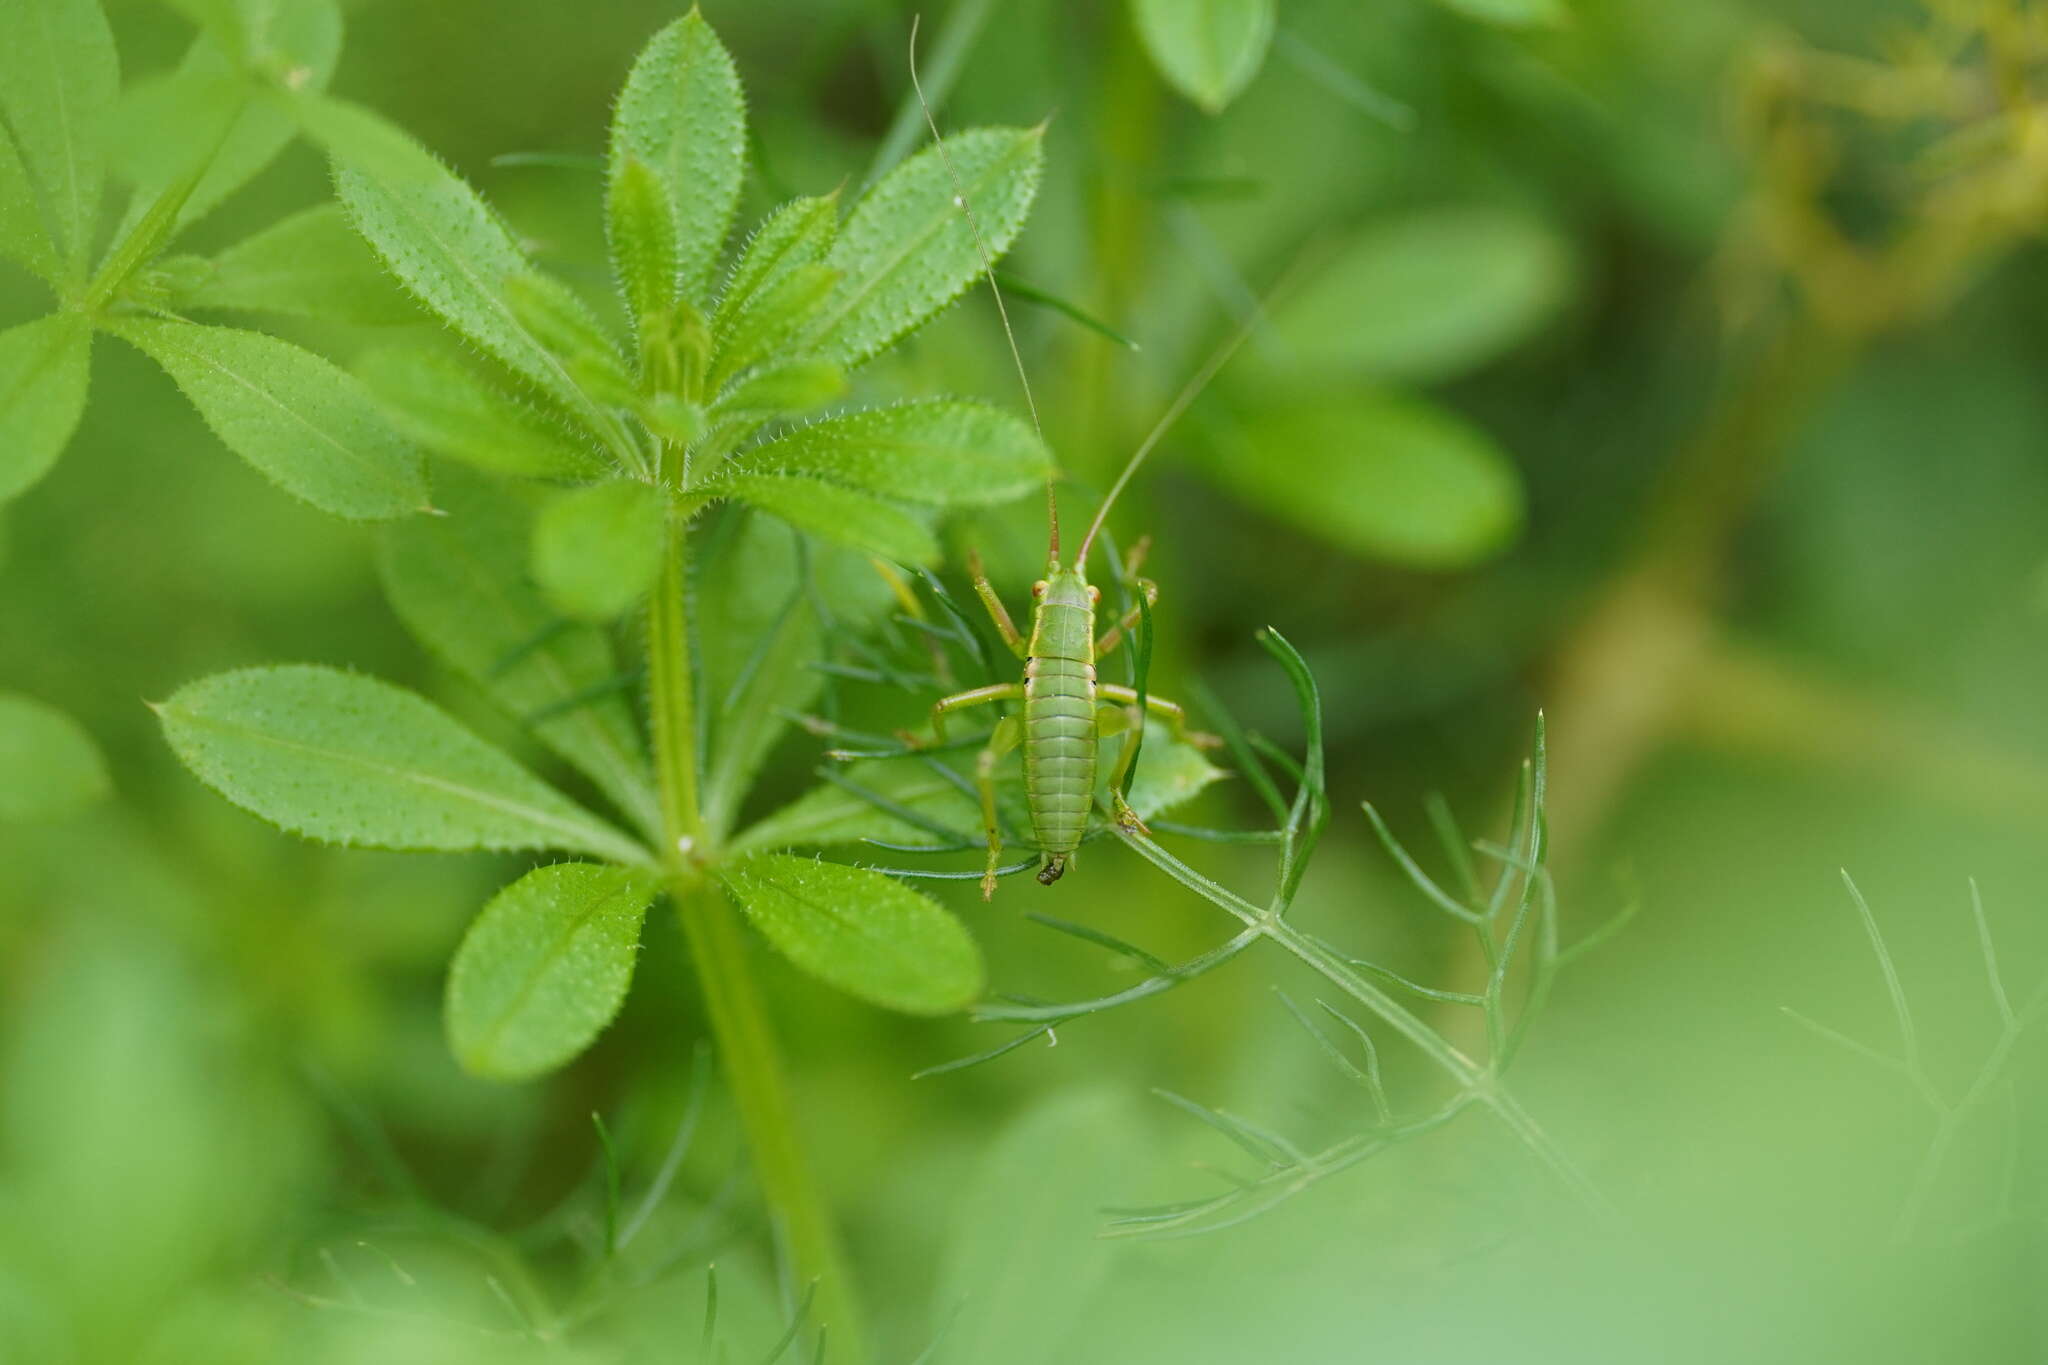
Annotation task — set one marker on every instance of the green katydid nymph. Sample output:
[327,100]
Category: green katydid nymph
[1066,710]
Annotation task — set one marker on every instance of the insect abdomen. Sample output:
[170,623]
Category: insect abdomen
[1059,749]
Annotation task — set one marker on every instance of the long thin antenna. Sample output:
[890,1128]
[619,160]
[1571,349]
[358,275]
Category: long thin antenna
[1191,391]
[988,268]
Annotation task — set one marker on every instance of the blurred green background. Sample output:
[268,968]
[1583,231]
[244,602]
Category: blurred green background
[1674,368]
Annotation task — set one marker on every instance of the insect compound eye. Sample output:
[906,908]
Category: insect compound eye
[1094,593]
[1038,588]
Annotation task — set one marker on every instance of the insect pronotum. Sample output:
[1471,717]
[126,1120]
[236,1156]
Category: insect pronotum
[1065,708]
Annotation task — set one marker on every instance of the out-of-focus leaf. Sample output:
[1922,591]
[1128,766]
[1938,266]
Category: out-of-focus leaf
[1425,297]
[441,240]
[1026,1257]
[544,968]
[564,324]
[1512,13]
[835,814]
[944,452]
[351,760]
[221,105]
[309,425]
[311,264]
[759,590]
[860,931]
[596,550]
[459,583]
[1208,49]
[843,515]
[44,367]
[23,237]
[797,234]
[908,250]
[442,402]
[682,115]
[59,76]
[49,765]
[1381,475]
[642,227]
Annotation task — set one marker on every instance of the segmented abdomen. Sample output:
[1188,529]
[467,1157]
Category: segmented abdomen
[1059,749]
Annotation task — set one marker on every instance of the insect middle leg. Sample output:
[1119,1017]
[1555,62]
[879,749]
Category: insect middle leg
[1112,717]
[1172,712]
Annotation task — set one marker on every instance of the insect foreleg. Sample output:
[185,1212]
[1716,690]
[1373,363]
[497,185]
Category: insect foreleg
[978,696]
[1172,712]
[1114,636]
[1007,733]
[997,612]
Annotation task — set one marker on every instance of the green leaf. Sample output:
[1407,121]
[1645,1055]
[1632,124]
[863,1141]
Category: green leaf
[1381,475]
[797,234]
[1208,49]
[908,249]
[1169,774]
[1511,13]
[642,231]
[544,968]
[943,452]
[23,237]
[49,766]
[348,759]
[1425,297]
[681,113]
[442,402]
[307,424]
[867,934]
[841,515]
[311,264]
[442,241]
[773,321]
[222,106]
[796,386]
[58,78]
[44,366]
[459,583]
[765,598]
[561,321]
[597,550]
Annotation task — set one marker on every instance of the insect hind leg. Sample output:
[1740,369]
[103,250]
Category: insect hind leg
[1002,740]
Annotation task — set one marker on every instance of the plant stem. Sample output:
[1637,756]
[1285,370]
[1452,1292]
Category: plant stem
[745,1036]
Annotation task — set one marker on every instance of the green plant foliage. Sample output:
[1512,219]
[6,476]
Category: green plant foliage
[942,452]
[445,404]
[59,76]
[544,968]
[441,241]
[836,513]
[860,931]
[22,237]
[1208,49]
[347,759]
[848,811]
[49,765]
[1426,296]
[681,116]
[795,387]
[43,376]
[907,250]
[304,422]
[458,582]
[1512,13]
[310,264]
[641,222]
[795,235]
[1382,475]
[596,550]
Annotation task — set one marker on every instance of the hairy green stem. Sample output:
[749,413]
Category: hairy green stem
[801,1218]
